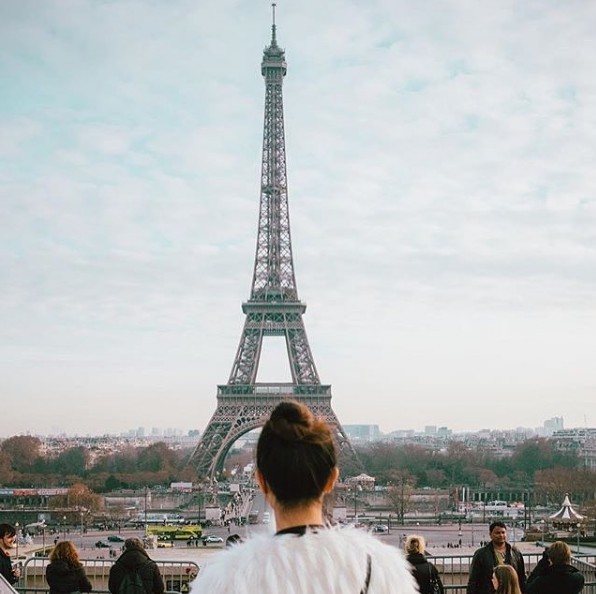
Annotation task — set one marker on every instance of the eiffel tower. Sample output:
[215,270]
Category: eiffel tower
[273,308]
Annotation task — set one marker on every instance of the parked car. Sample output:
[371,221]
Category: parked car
[164,544]
[380,528]
[100,544]
[115,538]
[212,539]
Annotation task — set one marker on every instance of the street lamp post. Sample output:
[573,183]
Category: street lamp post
[146,510]
[577,547]
[355,490]
[18,535]
[81,529]
[200,497]
[402,502]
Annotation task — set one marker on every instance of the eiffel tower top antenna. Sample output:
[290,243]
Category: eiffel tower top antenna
[273,40]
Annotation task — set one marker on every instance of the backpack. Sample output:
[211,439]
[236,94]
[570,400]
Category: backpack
[131,583]
[433,581]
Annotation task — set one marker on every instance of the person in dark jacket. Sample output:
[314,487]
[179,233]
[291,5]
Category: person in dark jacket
[497,552]
[554,573]
[8,537]
[135,558]
[423,571]
[65,572]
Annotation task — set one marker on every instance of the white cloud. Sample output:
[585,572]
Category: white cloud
[441,183]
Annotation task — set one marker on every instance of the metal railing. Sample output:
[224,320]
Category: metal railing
[176,575]
[454,570]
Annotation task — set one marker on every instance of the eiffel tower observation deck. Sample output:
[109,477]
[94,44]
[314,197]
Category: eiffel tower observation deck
[273,308]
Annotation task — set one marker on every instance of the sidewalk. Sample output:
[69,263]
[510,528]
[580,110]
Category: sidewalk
[181,553]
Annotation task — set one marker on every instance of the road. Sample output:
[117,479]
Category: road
[441,539]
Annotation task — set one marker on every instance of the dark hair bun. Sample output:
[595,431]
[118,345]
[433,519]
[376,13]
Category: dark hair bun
[289,420]
[292,421]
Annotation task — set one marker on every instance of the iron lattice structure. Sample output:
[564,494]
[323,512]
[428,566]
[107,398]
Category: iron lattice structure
[273,308]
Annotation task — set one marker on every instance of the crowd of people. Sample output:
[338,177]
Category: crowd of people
[65,574]
[296,466]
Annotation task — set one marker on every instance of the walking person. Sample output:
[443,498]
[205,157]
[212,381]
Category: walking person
[8,537]
[65,572]
[296,464]
[135,562]
[504,580]
[554,573]
[496,552]
[424,572]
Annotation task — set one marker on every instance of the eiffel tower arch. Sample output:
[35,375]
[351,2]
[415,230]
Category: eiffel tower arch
[273,308]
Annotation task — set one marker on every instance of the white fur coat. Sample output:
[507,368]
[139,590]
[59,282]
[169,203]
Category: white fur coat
[332,561]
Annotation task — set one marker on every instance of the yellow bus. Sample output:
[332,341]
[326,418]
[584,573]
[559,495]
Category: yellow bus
[168,532]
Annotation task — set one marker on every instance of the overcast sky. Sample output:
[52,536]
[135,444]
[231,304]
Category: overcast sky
[442,179]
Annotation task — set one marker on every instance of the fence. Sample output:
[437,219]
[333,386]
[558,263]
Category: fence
[176,574]
[454,570]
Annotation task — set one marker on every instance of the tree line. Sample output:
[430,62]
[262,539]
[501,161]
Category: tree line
[23,464]
[534,464]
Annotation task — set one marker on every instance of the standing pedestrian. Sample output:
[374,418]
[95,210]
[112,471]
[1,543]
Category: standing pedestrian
[554,573]
[135,560]
[65,572]
[424,572]
[496,552]
[8,537]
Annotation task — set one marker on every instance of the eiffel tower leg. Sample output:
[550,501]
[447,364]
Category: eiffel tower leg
[233,417]
[302,363]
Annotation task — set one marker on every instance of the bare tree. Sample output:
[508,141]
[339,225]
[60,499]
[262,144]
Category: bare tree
[399,492]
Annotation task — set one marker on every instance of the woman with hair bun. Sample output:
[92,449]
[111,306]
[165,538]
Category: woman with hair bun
[296,467]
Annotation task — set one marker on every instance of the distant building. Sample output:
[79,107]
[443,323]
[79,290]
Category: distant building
[362,482]
[581,441]
[363,432]
[430,430]
[183,487]
[552,425]
[444,432]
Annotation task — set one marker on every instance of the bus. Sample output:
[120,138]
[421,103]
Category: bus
[169,532]
[155,518]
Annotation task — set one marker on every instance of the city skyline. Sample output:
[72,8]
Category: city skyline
[440,175]
[544,430]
